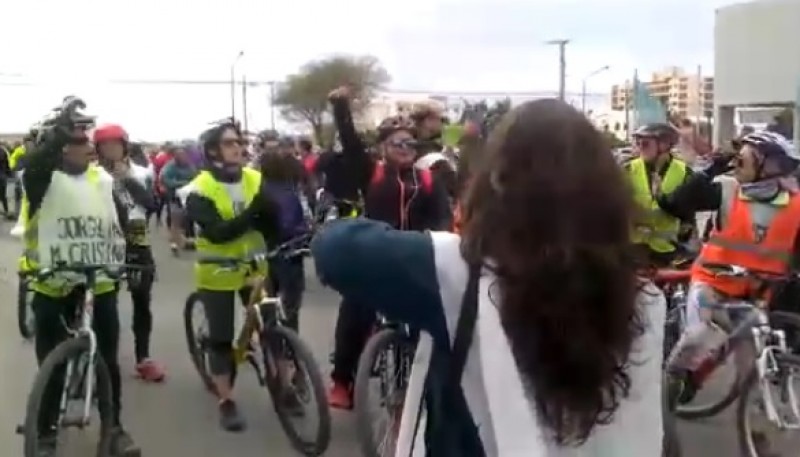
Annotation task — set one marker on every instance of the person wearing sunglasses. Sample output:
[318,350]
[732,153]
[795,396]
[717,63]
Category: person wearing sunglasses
[656,171]
[74,215]
[757,226]
[236,217]
[394,192]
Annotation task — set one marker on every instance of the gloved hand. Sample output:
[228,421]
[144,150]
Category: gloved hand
[721,163]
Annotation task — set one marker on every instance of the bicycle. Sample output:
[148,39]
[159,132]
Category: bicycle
[390,346]
[283,357]
[774,364]
[79,353]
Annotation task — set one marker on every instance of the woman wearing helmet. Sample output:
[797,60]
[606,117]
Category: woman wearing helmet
[134,185]
[236,217]
[69,200]
[656,171]
[758,215]
[396,193]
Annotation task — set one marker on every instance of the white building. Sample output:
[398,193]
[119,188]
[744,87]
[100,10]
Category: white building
[611,120]
[756,60]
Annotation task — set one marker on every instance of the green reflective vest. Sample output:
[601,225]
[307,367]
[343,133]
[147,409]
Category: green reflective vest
[655,228]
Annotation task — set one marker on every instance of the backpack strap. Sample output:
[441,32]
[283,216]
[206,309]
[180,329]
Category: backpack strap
[377,174]
[426,178]
[465,329]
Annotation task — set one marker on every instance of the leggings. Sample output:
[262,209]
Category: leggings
[140,285]
[287,277]
[50,332]
[219,307]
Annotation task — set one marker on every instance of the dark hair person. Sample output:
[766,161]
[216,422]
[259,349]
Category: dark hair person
[564,347]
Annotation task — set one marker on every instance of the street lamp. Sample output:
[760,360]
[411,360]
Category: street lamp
[562,61]
[233,83]
[583,87]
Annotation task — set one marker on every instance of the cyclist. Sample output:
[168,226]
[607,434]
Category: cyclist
[16,163]
[177,173]
[394,192]
[428,121]
[74,216]
[236,217]
[134,185]
[757,226]
[653,173]
[565,349]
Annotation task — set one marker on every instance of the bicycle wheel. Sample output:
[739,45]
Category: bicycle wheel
[754,438]
[670,445]
[71,349]
[197,340]
[25,317]
[287,360]
[383,356]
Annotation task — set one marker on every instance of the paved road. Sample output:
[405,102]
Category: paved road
[179,417]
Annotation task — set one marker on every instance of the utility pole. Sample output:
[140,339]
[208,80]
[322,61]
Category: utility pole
[562,73]
[244,100]
[583,85]
[233,83]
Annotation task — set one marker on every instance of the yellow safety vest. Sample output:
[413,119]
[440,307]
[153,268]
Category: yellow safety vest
[15,155]
[211,277]
[654,227]
[58,286]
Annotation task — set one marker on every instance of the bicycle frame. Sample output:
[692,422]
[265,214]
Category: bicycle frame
[86,312]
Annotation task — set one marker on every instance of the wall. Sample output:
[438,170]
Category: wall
[756,59]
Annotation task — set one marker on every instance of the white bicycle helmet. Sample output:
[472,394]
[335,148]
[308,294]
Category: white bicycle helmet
[772,144]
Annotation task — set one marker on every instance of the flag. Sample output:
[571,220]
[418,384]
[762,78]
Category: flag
[646,108]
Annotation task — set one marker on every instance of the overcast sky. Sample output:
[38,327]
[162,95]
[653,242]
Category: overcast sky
[77,47]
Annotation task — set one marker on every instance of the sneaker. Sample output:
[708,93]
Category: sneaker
[150,371]
[229,418]
[122,444]
[174,248]
[340,396]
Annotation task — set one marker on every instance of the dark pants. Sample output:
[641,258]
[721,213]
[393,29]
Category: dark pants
[140,285]
[50,332]
[18,196]
[4,193]
[353,327]
[220,307]
[288,279]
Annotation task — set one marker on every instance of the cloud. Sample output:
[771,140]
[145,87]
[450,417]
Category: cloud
[455,45]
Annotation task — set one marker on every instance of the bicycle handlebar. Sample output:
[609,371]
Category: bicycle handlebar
[115,272]
[296,247]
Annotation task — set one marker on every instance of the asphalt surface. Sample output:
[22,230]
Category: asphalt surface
[178,417]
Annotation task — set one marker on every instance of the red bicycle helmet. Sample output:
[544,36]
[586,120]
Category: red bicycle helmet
[110,132]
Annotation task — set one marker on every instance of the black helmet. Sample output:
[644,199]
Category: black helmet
[658,131]
[209,139]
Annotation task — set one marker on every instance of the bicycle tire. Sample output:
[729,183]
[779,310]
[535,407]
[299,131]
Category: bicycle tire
[670,444]
[199,360]
[26,328]
[59,355]
[376,344]
[742,432]
[279,336]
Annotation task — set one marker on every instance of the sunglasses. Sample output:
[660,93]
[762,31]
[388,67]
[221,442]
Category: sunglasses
[228,142]
[403,144]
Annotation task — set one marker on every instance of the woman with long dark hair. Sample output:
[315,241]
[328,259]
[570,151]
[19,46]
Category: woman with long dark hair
[541,339]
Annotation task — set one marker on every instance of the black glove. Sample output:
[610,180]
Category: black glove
[720,164]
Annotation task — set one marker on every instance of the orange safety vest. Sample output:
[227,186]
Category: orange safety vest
[737,244]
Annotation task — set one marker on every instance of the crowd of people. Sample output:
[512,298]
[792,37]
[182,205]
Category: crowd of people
[540,333]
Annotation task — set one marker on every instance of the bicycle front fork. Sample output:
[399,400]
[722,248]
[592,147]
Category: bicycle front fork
[84,369]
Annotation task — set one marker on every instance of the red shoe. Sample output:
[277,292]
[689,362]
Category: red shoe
[340,396]
[150,371]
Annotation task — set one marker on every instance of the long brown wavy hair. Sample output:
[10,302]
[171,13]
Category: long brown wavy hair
[551,210]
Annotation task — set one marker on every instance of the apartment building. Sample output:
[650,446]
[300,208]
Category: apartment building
[688,95]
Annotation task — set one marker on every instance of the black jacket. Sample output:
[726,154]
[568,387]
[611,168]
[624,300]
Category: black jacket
[399,199]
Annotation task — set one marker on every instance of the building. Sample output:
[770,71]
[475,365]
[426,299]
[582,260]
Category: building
[755,61]
[613,121]
[687,95]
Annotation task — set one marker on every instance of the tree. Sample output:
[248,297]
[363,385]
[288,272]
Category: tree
[303,97]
